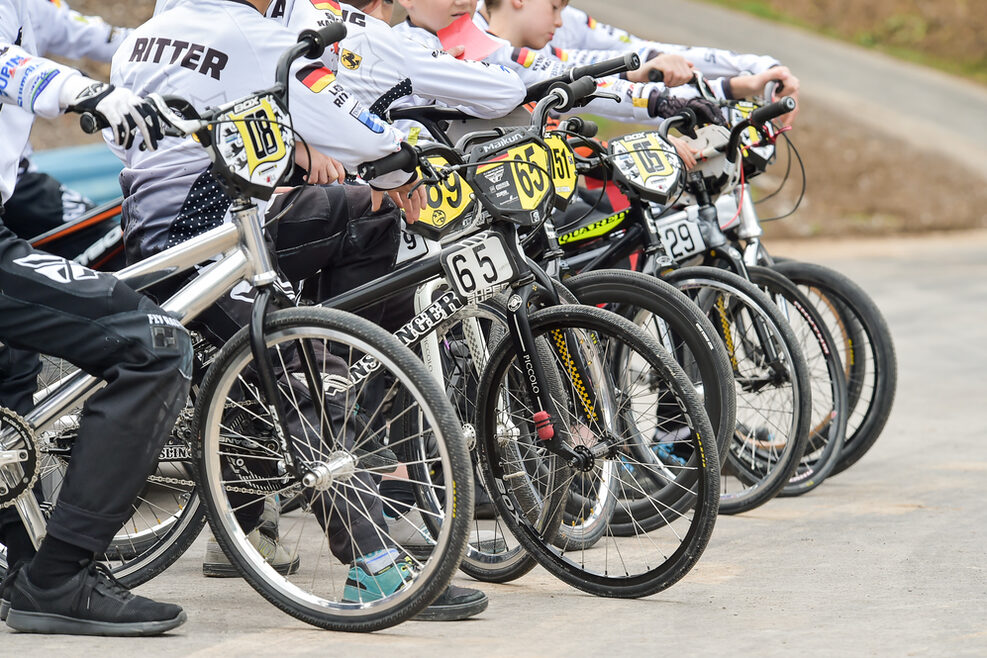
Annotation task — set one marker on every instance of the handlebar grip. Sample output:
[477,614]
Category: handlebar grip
[629,62]
[583,127]
[90,123]
[762,115]
[406,160]
[323,37]
[654,75]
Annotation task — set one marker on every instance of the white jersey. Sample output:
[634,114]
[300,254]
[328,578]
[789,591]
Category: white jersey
[582,32]
[28,85]
[63,31]
[211,52]
[384,68]
[533,67]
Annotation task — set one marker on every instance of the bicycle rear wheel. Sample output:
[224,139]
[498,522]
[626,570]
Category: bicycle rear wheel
[626,398]
[829,395]
[771,379]
[337,379]
[865,346]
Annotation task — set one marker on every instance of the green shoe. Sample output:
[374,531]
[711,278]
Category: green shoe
[376,575]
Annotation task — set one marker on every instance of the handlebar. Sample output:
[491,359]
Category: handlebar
[654,75]
[405,160]
[628,62]
[766,113]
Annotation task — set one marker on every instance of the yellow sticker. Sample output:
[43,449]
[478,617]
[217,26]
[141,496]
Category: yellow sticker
[563,167]
[261,134]
[531,179]
[448,200]
[594,230]
[350,59]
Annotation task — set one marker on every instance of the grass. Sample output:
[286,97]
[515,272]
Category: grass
[907,27]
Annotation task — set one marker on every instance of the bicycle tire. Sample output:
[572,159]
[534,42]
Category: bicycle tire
[829,393]
[688,336]
[228,396]
[586,330]
[733,302]
[868,352]
[152,539]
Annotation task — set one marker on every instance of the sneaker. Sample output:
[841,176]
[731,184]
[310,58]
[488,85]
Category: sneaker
[411,534]
[5,590]
[217,565]
[92,602]
[455,604]
[383,572]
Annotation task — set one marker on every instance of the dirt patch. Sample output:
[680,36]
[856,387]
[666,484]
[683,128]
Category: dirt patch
[950,32]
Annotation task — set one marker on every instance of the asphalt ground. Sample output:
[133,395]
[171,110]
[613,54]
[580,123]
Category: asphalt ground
[885,559]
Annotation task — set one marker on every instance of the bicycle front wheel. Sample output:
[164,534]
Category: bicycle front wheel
[630,406]
[337,380]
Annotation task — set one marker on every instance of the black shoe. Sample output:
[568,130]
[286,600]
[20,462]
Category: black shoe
[454,604]
[5,590]
[90,603]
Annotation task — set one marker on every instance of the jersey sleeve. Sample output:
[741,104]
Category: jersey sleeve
[717,63]
[67,33]
[480,89]
[583,32]
[30,82]
[333,121]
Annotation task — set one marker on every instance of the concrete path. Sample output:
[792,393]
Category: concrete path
[887,559]
[932,110]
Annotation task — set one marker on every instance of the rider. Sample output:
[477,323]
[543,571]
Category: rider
[212,51]
[105,328]
[40,202]
[582,39]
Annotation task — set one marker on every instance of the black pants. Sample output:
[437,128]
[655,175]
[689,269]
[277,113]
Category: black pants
[51,305]
[329,235]
[40,203]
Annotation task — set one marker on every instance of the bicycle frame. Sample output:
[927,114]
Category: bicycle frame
[239,246]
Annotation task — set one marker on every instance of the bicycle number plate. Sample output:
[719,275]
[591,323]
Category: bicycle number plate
[449,201]
[681,238]
[479,266]
[649,164]
[563,170]
[414,246]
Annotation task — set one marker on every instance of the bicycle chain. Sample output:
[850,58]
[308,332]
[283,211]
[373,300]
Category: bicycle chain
[289,492]
[11,420]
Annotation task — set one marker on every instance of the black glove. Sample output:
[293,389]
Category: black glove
[706,112]
[121,110]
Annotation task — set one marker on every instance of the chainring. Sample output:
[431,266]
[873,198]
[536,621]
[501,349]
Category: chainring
[15,432]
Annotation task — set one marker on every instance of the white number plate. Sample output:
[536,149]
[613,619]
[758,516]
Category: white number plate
[414,246]
[479,266]
[681,238]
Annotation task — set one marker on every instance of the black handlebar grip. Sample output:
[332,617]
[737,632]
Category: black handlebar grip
[762,115]
[323,37]
[406,160]
[629,62]
[91,123]
[654,75]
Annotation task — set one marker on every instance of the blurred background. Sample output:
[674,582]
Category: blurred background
[893,123]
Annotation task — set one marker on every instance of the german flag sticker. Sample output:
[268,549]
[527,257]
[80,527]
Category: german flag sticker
[524,57]
[591,22]
[327,5]
[561,54]
[315,77]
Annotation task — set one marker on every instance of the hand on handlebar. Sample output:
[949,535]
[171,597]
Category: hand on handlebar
[322,169]
[686,152]
[746,86]
[407,197]
[676,70]
[120,109]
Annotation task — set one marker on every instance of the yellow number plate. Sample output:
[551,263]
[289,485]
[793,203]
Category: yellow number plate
[563,169]
[449,200]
